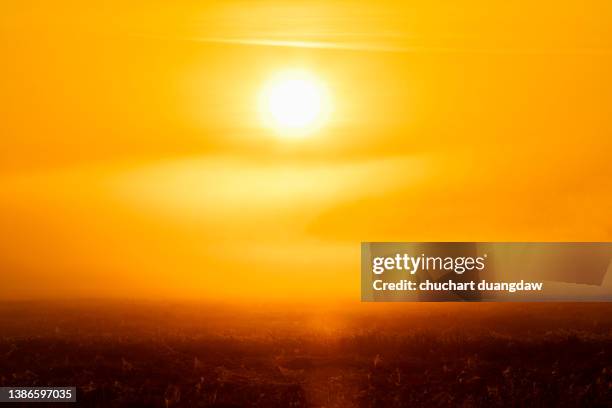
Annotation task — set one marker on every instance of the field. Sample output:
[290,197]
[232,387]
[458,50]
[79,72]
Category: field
[139,354]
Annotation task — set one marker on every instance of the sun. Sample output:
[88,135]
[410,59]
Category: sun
[294,103]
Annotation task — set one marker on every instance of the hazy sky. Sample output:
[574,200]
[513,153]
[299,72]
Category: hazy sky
[133,161]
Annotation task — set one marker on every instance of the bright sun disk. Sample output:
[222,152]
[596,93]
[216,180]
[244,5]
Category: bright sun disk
[294,103]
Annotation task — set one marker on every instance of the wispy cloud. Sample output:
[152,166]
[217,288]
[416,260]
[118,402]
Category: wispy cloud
[396,46]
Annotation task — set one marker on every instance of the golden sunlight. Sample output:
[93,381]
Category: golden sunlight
[294,103]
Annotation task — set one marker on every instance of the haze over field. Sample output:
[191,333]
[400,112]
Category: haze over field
[126,354]
[136,158]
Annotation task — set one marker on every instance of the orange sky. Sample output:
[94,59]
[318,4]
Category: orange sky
[133,161]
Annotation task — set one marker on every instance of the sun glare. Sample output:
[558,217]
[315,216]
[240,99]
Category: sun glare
[294,103]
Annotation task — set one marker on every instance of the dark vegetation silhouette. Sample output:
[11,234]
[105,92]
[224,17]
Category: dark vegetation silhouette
[128,354]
